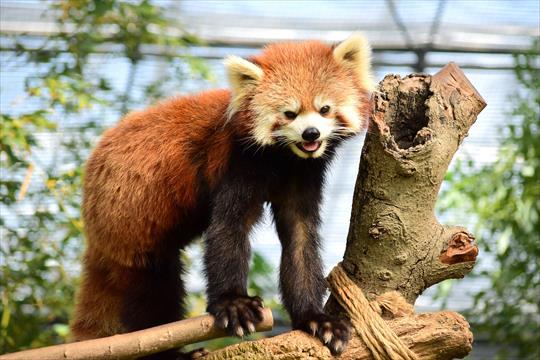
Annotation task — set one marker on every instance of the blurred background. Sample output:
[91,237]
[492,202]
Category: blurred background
[71,68]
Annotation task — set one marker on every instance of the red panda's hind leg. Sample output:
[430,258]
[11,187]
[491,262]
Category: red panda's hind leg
[115,298]
[154,294]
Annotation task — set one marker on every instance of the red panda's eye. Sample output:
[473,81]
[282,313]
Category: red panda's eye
[324,110]
[290,115]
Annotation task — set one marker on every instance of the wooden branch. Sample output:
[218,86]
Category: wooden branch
[435,336]
[138,343]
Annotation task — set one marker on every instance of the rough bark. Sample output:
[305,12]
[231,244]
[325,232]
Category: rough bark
[395,242]
[138,343]
[431,336]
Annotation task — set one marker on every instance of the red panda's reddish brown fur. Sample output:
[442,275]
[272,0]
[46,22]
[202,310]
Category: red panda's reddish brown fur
[155,181]
[148,167]
[140,180]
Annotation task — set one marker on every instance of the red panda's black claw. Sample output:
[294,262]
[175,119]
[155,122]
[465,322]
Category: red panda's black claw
[333,332]
[237,314]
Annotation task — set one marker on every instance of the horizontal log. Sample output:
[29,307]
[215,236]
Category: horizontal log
[442,335]
[138,343]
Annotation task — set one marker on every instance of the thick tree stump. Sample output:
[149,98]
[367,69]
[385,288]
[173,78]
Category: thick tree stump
[395,243]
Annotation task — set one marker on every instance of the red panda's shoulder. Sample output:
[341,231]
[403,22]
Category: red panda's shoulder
[181,119]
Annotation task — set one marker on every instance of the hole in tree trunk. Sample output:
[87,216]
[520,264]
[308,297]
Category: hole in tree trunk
[410,117]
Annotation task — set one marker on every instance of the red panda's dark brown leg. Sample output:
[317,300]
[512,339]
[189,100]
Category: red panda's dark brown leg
[302,281]
[235,209]
[115,298]
[155,293]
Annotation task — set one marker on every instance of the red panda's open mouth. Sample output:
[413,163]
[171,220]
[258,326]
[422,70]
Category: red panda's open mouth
[309,146]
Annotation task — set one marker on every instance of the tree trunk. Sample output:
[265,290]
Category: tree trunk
[395,242]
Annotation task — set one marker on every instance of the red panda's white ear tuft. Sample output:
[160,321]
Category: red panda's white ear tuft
[243,75]
[355,54]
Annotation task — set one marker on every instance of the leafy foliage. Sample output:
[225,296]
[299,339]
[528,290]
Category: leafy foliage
[40,223]
[504,200]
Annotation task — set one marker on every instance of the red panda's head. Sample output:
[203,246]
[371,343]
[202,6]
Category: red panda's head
[303,95]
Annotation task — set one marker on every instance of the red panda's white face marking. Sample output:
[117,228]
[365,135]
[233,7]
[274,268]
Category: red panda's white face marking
[303,95]
[307,135]
[307,132]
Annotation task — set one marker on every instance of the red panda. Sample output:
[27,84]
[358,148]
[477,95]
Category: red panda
[206,164]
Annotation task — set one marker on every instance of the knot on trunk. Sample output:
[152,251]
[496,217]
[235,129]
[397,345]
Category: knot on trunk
[461,248]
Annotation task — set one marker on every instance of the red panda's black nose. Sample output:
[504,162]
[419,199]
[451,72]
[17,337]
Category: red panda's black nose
[311,134]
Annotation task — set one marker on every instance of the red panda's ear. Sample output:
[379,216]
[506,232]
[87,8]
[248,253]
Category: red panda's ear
[243,75]
[355,54]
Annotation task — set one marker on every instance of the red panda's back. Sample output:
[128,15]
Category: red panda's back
[145,173]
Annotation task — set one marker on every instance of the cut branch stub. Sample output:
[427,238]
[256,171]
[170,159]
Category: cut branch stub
[395,241]
[461,248]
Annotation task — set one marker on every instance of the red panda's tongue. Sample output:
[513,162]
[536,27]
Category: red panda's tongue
[311,146]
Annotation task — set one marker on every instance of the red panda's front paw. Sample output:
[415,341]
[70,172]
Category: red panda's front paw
[334,332]
[237,314]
